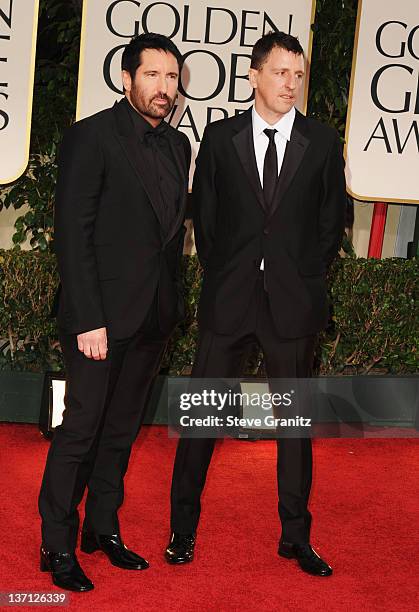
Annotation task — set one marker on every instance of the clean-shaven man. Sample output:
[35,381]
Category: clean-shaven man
[268,204]
[120,206]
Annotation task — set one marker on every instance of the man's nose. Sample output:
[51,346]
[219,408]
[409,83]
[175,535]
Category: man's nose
[291,82]
[163,84]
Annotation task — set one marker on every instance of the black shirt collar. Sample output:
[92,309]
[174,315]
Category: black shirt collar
[141,125]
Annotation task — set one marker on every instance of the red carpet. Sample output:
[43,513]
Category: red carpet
[364,502]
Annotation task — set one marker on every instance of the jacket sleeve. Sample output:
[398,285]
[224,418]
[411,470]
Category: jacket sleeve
[333,204]
[204,200]
[80,176]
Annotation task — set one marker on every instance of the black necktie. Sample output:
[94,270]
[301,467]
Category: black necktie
[270,168]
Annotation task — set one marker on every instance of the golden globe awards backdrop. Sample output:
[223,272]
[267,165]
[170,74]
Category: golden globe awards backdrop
[382,133]
[216,38]
[18,25]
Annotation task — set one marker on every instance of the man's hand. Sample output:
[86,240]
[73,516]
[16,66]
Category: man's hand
[93,343]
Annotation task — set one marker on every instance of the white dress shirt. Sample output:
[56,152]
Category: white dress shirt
[261,141]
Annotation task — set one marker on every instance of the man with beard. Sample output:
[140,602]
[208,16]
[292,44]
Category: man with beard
[120,205]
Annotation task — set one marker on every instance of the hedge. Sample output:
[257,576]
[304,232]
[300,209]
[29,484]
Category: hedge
[373,327]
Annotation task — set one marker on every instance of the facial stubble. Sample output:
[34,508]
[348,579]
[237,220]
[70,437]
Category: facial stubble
[147,107]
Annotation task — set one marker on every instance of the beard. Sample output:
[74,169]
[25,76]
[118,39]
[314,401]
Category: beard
[148,107]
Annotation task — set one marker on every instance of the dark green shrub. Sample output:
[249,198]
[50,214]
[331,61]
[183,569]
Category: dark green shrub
[28,335]
[374,317]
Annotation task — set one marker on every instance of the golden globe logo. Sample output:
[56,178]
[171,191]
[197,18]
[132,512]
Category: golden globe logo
[396,40]
[18,25]
[216,39]
[382,132]
[207,29]
[5,32]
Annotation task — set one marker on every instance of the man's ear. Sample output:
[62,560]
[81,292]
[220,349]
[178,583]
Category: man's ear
[252,78]
[126,80]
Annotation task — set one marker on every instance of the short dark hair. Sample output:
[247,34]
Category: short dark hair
[269,41]
[131,57]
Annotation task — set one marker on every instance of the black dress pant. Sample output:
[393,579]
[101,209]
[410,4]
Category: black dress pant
[220,356]
[105,403]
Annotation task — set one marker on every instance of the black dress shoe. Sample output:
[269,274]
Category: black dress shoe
[307,558]
[65,570]
[116,551]
[180,548]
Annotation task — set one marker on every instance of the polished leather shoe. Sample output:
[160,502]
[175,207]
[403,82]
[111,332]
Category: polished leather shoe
[65,570]
[307,558]
[180,548]
[116,551]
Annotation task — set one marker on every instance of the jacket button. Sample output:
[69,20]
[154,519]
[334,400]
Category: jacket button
[266,231]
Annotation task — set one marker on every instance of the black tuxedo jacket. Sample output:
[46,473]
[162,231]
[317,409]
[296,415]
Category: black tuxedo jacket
[298,237]
[111,250]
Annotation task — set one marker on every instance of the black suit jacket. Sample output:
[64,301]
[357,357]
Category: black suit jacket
[298,237]
[112,254]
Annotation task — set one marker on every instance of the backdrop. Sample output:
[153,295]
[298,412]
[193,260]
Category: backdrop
[382,126]
[216,37]
[18,25]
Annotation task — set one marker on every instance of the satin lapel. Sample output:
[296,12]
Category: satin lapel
[178,153]
[243,142]
[293,157]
